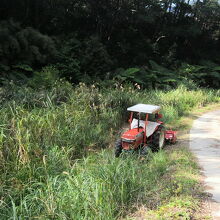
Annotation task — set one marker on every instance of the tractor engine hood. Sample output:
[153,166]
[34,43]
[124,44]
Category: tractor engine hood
[133,135]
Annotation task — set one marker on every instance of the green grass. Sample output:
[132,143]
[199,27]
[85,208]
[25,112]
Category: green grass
[102,187]
[43,133]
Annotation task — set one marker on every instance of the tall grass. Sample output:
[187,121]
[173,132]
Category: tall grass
[43,132]
[102,187]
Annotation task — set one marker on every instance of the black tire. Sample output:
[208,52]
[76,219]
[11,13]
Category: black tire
[145,151]
[158,139]
[118,148]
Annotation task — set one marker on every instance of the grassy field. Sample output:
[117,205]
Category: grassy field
[47,168]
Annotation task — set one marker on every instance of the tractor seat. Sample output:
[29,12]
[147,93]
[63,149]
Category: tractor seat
[151,126]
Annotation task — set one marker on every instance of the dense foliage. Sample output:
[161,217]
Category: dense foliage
[164,40]
[46,129]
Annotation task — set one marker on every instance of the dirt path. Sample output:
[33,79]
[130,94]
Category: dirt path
[205,144]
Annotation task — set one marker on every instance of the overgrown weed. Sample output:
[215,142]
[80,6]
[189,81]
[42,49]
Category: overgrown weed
[43,133]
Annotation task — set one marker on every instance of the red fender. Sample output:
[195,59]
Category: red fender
[171,136]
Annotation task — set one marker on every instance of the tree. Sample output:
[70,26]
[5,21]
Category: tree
[23,48]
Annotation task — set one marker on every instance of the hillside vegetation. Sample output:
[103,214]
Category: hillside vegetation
[47,131]
[154,43]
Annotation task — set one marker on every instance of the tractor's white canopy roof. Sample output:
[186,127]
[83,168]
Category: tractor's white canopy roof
[150,109]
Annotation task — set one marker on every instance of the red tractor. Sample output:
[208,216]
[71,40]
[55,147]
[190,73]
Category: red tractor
[146,131]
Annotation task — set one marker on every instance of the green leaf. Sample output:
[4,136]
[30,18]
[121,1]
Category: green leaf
[217,68]
[130,71]
[24,67]
[215,74]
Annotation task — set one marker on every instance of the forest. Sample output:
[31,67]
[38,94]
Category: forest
[68,71]
[155,43]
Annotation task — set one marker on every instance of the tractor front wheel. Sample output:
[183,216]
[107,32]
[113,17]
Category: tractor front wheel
[158,139]
[118,148]
[145,151]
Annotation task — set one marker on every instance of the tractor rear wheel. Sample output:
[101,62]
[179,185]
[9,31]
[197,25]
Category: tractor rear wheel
[118,148]
[158,139]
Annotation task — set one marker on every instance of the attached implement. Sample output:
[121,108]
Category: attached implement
[146,131]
